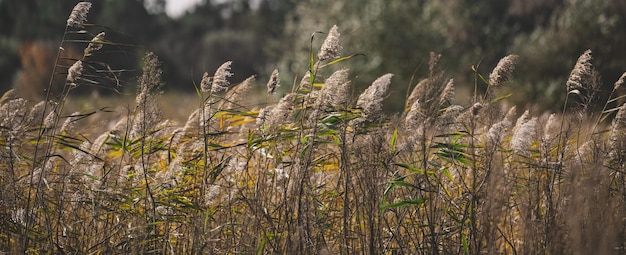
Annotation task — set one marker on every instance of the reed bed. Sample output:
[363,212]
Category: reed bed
[320,171]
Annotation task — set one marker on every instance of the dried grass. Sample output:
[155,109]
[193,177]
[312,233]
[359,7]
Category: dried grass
[304,179]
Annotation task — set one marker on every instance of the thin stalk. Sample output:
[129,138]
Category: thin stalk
[42,132]
[595,125]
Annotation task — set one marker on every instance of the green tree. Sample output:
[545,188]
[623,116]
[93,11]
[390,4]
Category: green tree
[397,36]
[550,51]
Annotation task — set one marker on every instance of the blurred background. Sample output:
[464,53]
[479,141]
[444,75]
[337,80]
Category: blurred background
[191,37]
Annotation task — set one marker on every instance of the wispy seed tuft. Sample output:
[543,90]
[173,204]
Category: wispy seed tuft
[371,99]
[236,94]
[551,129]
[50,120]
[330,48]
[581,73]
[79,15]
[273,83]
[220,82]
[150,79]
[70,123]
[522,137]
[95,44]
[616,140]
[280,113]
[414,115]
[448,93]
[502,72]
[74,72]
[8,96]
[334,93]
[205,84]
[416,93]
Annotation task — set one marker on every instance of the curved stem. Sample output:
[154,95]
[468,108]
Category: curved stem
[42,132]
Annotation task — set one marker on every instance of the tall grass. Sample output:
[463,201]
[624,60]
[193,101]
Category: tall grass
[318,172]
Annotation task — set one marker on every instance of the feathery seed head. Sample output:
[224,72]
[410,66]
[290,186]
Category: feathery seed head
[243,88]
[205,84]
[586,151]
[8,96]
[522,137]
[618,126]
[36,111]
[235,95]
[74,72]
[335,90]
[510,115]
[150,80]
[79,15]
[581,73]
[10,110]
[502,72]
[220,82]
[433,62]
[496,131]
[193,122]
[95,44]
[522,119]
[273,83]
[211,194]
[448,93]
[449,116]
[330,48]
[414,115]
[69,123]
[551,129]
[262,116]
[619,123]
[416,93]
[151,77]
[50,120]
[370,100]
[495,134]
[280,113]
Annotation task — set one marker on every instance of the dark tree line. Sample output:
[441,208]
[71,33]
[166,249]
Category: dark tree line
[395,36]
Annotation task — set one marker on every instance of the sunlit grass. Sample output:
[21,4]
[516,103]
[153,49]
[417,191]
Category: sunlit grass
[315,171]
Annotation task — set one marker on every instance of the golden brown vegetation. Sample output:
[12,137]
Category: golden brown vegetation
[319,172]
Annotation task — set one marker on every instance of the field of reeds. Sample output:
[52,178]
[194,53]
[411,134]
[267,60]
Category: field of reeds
[318,172]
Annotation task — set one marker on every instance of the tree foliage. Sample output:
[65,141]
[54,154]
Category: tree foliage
[394,35]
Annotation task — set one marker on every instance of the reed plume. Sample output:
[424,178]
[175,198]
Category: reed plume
[334,93]
[447,94]
[503,70]
[74,72]
[281,112]
[79,15]
[150,80]
[330,48]
[273,83]
[370,101]
[205,84]
[235,97]
[220,81]
[95,44]
[581,74]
